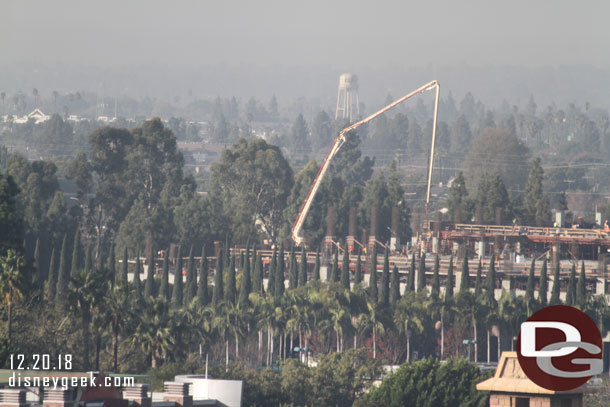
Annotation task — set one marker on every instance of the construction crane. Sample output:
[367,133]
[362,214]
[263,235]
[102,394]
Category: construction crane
[297,227]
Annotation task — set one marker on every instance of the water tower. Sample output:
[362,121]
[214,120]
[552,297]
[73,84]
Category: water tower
[347,98]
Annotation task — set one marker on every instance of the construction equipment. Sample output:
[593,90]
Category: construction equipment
[297,227]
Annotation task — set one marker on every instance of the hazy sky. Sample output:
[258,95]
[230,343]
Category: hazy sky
[343,34]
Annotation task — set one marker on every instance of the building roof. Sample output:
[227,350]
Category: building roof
[510,378]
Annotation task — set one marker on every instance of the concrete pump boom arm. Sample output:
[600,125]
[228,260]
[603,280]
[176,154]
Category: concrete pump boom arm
[297,227]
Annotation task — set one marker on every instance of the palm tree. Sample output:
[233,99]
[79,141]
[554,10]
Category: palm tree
[85,291]
[408,318]
[10,283]
[374,319]
[118,308]
[154,333]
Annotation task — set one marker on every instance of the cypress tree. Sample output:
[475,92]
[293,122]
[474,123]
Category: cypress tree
[112,265]
[465,278]
[345,269]
[178,289]
[358,275]
[272,273]
[316,268]
[259,274]
[334,271]
[436,283]
[491,280]
[373,293]
[556,283]
[136,277]
[75,254]
[421,275]
[544,285]
[478,284]
[384,298]
[230,289]
[411,276]
[581,288]
[63,274]
[218,292]
[529,290]
[395,292]
[51,279]
[88,263]
[38,277]
[303,267]
[245,286]
[100,260]
[202,283]
[123,281]
[280,274]
[149,286]
[571,291]
[449,287]
[293,275]
[190,288]
[164,288]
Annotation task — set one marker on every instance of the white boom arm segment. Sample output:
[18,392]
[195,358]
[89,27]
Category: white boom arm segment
[297,227]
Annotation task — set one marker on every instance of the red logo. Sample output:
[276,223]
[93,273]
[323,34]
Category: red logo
[560,348]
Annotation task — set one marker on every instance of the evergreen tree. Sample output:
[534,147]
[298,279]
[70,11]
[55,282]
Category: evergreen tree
[124,280]
[202,283]
[112,265]
[373,275]
[384,298]
[334,271]
[345,269]
[259,274]
[395,293]
[38,277]
[411,276]
[436,283]
[491,280]
[316,268]
[88,264]
[149,285]
[178,289]
[571,291]
[303,268]
[75,254]
[358,275]
[218,292]
[536,204]
[136,277]
[556,284]
[51,279]
[230,289]
[581,288]
[272,273]
[543,286]
[63,274]
[529,290]
[164,292]
[421,275]
[245,286]
[293,275]
[100,260]
[190,288]
[478,280]
[449,287]
[280,274]
[465,278]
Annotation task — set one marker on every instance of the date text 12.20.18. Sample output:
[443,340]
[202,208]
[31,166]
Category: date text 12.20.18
[41,361]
